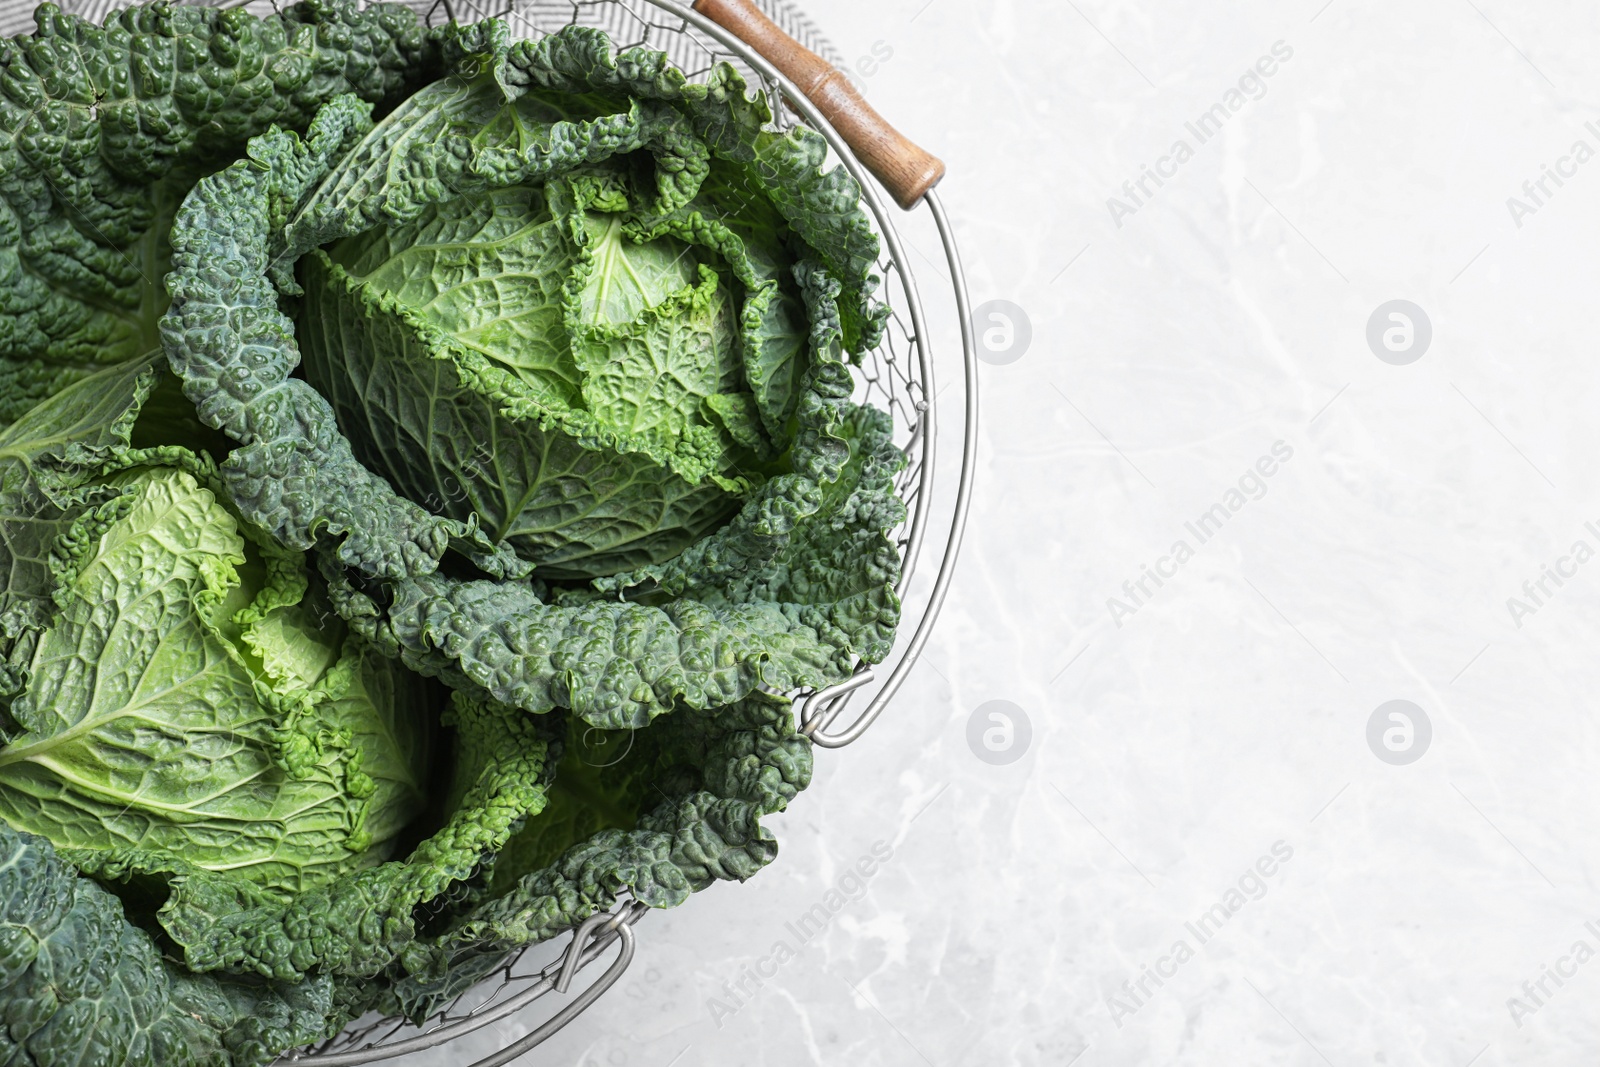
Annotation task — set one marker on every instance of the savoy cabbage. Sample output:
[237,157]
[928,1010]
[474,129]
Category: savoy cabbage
[386,414]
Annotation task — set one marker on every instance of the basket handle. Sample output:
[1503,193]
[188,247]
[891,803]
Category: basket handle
[904,169]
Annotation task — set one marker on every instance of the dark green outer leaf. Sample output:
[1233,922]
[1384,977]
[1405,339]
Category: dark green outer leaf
[782,597]
[225,337]
[702,779]
[80,985]
[102,129]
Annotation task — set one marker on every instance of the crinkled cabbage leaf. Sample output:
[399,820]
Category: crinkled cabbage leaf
[104,128]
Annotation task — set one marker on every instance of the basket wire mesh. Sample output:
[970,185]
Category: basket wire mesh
[897,376]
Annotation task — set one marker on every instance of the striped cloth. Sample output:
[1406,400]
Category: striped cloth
[16,16]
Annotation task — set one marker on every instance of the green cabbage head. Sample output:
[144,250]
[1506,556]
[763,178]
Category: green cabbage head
[588,402]
[549,365]
[193,700]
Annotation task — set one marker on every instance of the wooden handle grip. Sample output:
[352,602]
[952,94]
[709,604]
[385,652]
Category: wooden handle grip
[904,169]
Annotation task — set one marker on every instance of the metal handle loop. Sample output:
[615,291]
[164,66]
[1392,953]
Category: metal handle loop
[958,523]
[569,966]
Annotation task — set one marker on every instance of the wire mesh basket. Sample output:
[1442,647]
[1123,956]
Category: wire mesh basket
[897,376]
